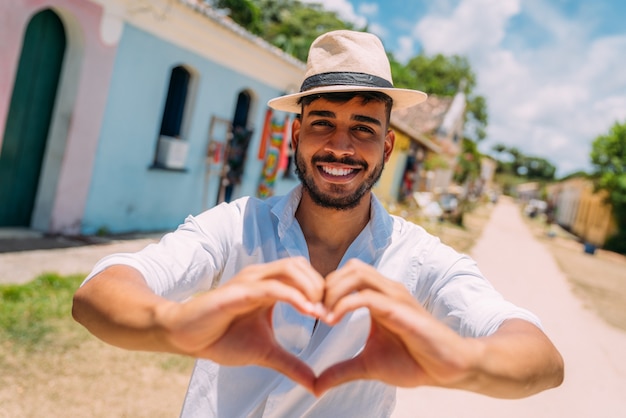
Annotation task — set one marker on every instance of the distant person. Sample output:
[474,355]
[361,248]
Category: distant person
[550,218]
[320,303]
[235,160]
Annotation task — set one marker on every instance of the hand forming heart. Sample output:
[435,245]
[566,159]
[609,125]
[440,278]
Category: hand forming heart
[232,325]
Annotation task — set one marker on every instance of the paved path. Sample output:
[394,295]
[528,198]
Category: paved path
[23,266]
[595,354]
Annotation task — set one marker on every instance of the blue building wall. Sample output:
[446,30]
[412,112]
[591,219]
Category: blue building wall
[126,194]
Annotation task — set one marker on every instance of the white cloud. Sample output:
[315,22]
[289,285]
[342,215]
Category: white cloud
[344,10]
[550,99]
[603,67]
[405,50]
[473,25]
[573,97]
[378,30]
[368,9]
[565,31]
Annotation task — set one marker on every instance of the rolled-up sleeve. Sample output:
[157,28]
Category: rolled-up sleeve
[187,260]
[460,296]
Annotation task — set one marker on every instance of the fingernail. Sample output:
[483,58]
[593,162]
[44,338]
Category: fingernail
[315,309]
[320,309]
[311,308]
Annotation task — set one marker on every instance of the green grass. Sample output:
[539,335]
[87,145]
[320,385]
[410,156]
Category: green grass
[31,313]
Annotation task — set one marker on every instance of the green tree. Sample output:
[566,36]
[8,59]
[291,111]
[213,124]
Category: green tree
[287,24]
[467,169]
[445,76]
[608,157]
[499,148]
[513,162]
[439,74]
[539,168]
[245,12]
[299,27]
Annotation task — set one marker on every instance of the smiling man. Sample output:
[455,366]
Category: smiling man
[319,303]
[335,130]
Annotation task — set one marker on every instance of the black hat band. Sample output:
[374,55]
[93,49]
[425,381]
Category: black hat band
[344,79]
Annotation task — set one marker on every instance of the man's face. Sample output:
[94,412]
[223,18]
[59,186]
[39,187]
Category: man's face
[341,149]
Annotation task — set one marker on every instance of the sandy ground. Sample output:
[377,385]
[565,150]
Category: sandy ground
[524,270]
[23,266]
[77,375]
[81,376]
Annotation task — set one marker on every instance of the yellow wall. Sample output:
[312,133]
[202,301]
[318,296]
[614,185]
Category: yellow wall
[594,220]
[387,187]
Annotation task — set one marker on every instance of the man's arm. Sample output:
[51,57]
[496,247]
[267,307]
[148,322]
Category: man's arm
[518,360]
[408,347]
[118,307]
[230,325]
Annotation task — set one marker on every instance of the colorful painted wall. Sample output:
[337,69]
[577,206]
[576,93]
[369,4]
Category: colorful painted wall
[98,172]
[66,166]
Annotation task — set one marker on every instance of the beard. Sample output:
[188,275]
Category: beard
[340,199]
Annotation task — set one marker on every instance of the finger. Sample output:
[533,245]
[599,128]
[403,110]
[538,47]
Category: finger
[337,374]
[245,297]
[250,340]
[289,365]
[354,277]
[206,318]
[350,278]
[423,335]
[390,311]
[295,271]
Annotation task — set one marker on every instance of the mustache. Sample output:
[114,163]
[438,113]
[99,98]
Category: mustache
[343,160]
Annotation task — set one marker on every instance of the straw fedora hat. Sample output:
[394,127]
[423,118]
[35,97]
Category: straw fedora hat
[345,60]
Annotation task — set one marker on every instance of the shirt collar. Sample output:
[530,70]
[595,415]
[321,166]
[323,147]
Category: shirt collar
[374,238]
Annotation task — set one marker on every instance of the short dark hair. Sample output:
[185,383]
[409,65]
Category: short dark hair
[342,97]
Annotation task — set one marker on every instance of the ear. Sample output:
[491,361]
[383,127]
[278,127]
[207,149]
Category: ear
[295,132]
[390,140]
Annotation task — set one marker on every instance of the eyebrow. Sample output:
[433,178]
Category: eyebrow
[366,119]
[322,113]
[358,118]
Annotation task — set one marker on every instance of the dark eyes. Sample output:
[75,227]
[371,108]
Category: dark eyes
[360,129]
[321,123]
[365,129]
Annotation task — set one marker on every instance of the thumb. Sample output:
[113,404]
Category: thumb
[289,365]
[337,374]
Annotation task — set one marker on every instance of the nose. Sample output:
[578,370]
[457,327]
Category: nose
[340,144]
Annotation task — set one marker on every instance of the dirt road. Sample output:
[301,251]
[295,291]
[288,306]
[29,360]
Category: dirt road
[519,266]
[595,354]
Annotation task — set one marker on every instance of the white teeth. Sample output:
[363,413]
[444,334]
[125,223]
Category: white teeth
[337,171]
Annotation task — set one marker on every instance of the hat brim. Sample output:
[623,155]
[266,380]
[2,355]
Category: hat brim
[402,98]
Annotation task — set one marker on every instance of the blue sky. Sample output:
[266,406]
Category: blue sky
[553,71]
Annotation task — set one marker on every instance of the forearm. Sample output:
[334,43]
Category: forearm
[118,307]
[516,361]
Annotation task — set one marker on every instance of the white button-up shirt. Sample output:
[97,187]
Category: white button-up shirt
[211,248]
